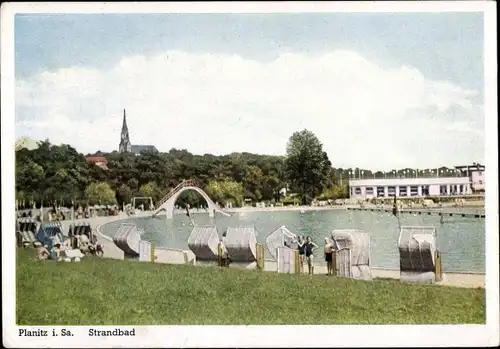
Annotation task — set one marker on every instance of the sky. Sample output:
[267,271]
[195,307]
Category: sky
[380,90]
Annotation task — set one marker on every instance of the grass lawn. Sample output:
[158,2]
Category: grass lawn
[112,292]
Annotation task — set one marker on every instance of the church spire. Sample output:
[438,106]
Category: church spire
[125,145]
[124,126]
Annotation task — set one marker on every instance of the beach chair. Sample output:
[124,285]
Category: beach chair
[31,237]
[25,238]
[286,261]
[279,238]
[417,254]
[203,242]
[241,244]
[352,253]
[127,238]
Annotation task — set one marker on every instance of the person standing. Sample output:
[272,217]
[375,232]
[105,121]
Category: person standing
[310,246]
[329,256]
[301,247]
[225,258]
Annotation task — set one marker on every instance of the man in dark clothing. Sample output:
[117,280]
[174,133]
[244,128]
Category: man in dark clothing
[309,252]
[301,247]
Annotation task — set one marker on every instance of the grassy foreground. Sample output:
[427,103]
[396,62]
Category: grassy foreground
[112,292]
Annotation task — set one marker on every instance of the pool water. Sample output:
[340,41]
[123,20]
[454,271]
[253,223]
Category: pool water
[461,240]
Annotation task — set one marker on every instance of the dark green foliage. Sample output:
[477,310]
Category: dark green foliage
[307,166]
[60,173]
[52,173]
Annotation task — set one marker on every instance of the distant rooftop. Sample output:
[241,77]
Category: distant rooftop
[137,149]
[469,167]
[95,158]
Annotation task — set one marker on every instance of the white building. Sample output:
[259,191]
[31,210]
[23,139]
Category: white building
[409,187]
[477,179]
[476,174]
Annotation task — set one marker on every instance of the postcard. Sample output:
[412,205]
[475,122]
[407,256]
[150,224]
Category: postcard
[277,174]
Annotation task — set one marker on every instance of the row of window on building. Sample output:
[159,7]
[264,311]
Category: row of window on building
[413,190]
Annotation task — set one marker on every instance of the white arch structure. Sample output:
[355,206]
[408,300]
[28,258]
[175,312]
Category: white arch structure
[167,203]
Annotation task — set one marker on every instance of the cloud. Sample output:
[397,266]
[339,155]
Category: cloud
[219,103]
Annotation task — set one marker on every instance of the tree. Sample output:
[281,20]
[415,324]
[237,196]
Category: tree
[29,176]
[147,190]
[270,188]
[307,166]
[225,191]
[341,191]
[337,191]
[151,190]
[59,173]
[133,184]
[123,194]
[252,182]
[51,173]
[100,193]
[191,198]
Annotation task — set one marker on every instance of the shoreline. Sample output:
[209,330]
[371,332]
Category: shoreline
[474,205]
[471,205]
[453,279]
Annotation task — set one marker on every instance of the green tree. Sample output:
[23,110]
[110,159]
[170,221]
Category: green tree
[151,190]
[270,188]
[51,173]
[341,191]
[191,198]
[133,184]
[252,182]
[307,166]
[147,190]
[100,193]
[225,191]
[337,191]
[29,176]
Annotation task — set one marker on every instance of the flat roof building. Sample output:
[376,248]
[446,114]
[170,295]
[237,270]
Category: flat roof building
[476,174]
[409,187]
[470,168]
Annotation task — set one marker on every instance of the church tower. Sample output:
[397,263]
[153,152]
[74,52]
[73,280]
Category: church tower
[125,145]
